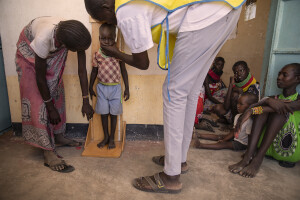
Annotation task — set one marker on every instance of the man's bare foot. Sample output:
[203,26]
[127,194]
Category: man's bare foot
[111,144]
[102,143]
[251,170]
[56,164]
[236,168]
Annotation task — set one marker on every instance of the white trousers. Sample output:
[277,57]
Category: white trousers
[193,55]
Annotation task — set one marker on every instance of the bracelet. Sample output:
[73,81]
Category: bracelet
[257,110]
[86,96]
[47,101]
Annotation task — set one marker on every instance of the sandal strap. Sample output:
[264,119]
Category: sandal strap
[160,184]
[151,183]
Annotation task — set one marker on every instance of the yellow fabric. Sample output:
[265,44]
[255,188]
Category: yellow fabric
[171,5]
[252,83]
[159,35]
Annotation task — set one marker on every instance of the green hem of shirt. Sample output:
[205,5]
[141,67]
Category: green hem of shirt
[109,84]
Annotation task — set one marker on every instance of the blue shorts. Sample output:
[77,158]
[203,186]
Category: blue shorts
[109,99]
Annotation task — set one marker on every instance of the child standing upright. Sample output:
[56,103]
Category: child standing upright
[108,70]
[240,139]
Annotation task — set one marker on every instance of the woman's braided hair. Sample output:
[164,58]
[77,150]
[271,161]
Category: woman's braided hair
[73,34]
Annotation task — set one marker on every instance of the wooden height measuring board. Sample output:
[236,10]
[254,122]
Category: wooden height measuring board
[95,132]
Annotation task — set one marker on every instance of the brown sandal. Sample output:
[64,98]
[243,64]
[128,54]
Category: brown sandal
[157,186]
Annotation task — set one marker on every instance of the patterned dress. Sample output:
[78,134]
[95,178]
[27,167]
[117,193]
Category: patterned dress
[36,127]
[217,89]
[286,144]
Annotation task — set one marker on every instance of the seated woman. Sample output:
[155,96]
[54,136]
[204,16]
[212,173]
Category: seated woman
[215,91]
[242,82]
[275,129]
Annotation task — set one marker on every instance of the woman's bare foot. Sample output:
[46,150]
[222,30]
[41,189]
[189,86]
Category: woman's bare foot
[251,170]
[102,143]
[111,144]
[56,164]
[236,168]
[60,140]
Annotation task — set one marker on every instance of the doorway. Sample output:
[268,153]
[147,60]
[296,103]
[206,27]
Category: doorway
[282,43]
[5,119]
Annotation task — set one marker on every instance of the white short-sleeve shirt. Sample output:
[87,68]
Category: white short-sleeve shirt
[136,18]
[242,137]
[43,34]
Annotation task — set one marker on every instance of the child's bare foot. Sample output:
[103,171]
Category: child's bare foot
[198,144]
[236,168]
[102,143]
[251,170]
[111,144]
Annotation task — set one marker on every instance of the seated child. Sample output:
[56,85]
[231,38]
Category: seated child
[275,130]
[108,70]
[232,141]
[242,82]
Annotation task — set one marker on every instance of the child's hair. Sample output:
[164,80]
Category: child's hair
[251,98]
[217,59]
[73,34]
[111,27]
[242,63]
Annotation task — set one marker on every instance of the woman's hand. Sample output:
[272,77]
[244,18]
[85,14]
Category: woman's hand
[87,109]
[232,82]
[53,114]
[280,106]
[111,51]
[126,94]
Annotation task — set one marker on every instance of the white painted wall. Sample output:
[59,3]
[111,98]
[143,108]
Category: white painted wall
[15,14]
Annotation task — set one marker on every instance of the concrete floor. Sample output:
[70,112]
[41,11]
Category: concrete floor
[23,175]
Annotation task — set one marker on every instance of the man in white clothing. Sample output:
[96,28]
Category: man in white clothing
[202,29]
